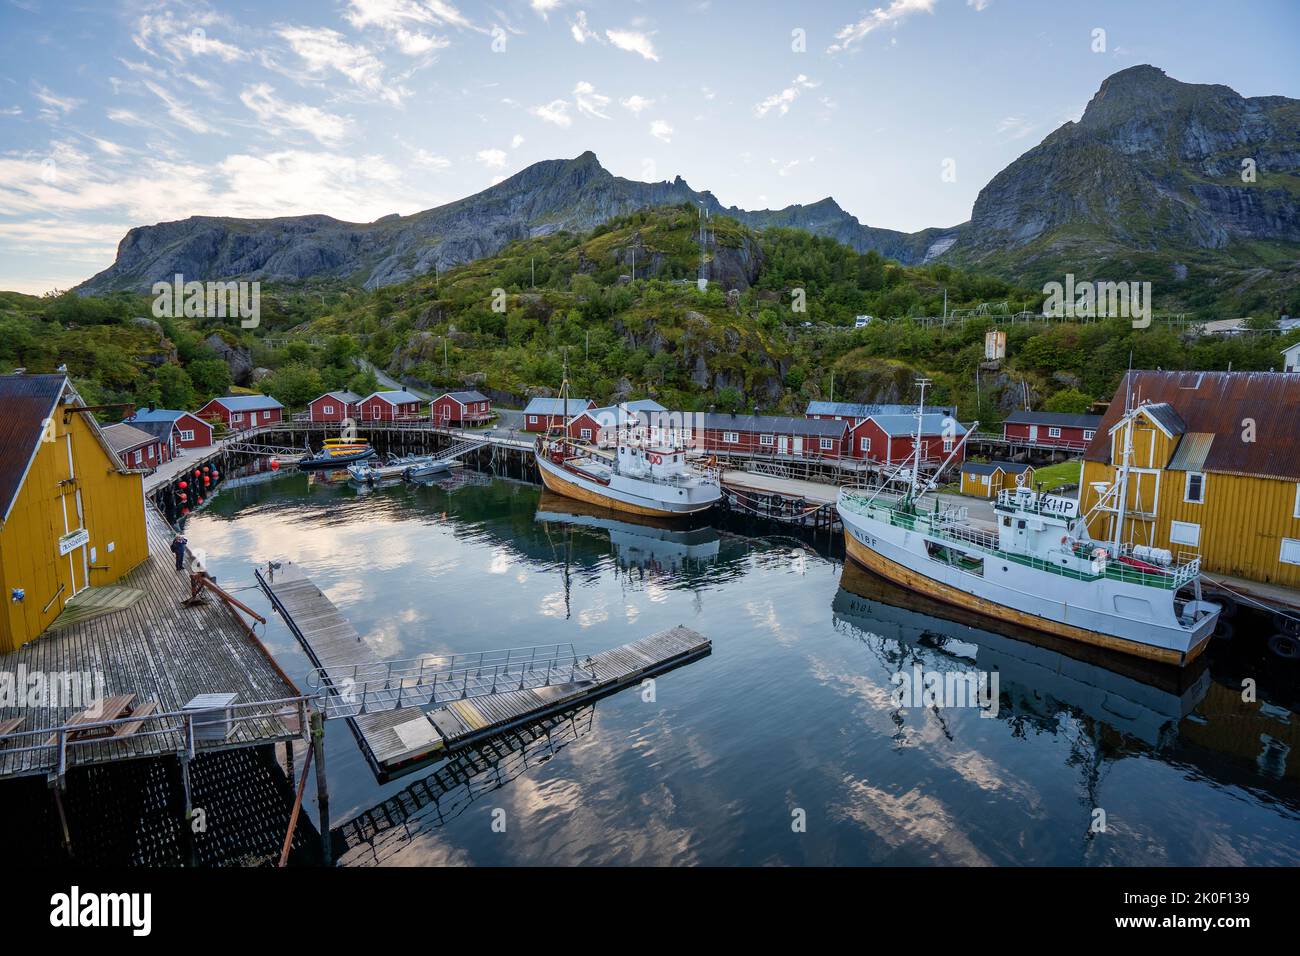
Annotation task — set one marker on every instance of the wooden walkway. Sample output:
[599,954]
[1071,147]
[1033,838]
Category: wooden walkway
[396,737]
[152,647]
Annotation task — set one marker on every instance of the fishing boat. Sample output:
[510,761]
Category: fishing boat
[650,480]
[336,453]
[1037,566]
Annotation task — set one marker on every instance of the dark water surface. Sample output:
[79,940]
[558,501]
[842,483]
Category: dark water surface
[791,717]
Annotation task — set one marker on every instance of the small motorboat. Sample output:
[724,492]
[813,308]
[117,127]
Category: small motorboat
[336,453]
[394,468]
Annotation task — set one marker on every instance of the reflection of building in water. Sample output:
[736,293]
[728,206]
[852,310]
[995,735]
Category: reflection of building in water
[637,543]
[1126,705]
[375,835]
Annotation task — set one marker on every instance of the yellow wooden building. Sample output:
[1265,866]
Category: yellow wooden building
[71,514]
[1215,470]
[984,479]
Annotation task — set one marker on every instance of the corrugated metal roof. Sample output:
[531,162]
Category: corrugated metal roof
[1193,448]
[464,397]
[348,398]
[248,403]
[1218,403]
[398,396]
[626,411]
[774,425]
[555,406]
[866,409]
[1063,419]
[156,415]
[161,429]
[122,437]
[989,467]
[1164,414]
[900,426]
[28,402]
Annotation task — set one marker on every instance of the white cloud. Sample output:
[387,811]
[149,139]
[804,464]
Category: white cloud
[163,35]
[781,101]
[11,111]
[979,5]
[852,33]
[633,42]
[107,146]
[55,105]
[590,103]
[636,103]
[180,111]
[277,115]
[402,20]
[324,50]
[516,141]
[492,158]
[543,7]
[427,160]
[581,32]
[659,129]
[1015,128]
[556,111]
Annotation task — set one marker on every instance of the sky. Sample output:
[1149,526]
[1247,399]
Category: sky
[117,114]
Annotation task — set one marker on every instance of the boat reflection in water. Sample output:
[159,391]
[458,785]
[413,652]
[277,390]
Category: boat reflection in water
[1195,716]
[1038,675]
[655,545]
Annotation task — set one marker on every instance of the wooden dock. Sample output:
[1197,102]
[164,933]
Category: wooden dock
[142,641]
[402,714]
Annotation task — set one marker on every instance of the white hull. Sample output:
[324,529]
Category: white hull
[627,493]
[1131,617]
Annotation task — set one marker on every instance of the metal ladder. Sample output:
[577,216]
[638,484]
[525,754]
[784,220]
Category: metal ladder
[461,448]
[435,680]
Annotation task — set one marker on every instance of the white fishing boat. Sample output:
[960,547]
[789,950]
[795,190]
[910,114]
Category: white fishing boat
[651,479]
[409,468]
[1037,566]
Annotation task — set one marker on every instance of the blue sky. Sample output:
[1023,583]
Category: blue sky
[119,114]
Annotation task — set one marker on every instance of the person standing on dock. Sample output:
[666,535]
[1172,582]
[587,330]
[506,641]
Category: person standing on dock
[178,548]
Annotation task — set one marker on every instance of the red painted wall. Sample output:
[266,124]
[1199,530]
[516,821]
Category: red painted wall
[316,409]
[447,409]
[1070,437]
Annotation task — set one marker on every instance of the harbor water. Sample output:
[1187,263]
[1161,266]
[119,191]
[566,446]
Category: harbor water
[794,741]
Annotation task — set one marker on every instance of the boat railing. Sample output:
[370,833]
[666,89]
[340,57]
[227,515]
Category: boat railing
[435,679]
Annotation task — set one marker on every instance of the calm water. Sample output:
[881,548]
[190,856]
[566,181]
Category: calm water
[791,716]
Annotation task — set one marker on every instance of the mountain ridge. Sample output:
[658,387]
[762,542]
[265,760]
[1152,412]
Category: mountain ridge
[1151,167]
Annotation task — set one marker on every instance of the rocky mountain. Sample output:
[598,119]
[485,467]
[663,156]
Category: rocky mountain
[575,194]
[1153,166]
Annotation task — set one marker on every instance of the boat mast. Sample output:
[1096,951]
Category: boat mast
[1121,512]
[920,420]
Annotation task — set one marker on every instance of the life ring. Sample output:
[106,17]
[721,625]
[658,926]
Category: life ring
[655,459]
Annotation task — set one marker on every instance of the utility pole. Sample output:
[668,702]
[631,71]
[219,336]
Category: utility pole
[532,265]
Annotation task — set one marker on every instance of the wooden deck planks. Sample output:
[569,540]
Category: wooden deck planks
[155,648]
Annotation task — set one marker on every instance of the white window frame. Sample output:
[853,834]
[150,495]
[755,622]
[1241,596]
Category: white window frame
[731,438]
[767,440]
[187,434]
[984,480]
[1088,433]
[1295,513]
[139,455]
[949,444]
[1187,488]
[585,434]
[1053,432]
[828,444]
[1295,551]
[1185,533]
[236,417]
[864,443]
[266,415]
[532,419]
[327,409]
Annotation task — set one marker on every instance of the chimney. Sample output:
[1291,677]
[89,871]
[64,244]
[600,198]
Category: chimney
[151,408]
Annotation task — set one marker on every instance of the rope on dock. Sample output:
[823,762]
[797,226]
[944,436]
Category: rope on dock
[1250,600]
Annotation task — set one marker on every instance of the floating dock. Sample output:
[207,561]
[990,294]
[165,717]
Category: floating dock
[403,713]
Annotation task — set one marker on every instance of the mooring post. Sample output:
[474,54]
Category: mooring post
[322,785]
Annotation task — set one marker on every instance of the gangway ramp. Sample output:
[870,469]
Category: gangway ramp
[402,713]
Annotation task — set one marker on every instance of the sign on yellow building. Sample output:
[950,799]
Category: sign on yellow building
[1215,460]
[71,514]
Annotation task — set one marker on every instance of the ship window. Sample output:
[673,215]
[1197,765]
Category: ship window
[1021,524]
[1006,522]
[1194,489]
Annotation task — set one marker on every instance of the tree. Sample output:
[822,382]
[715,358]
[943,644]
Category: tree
[294,385]
[210,377]
[730,399]
[175,390]
[1070,401]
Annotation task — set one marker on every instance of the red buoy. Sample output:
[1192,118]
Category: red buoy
[275,464]
[183,486]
